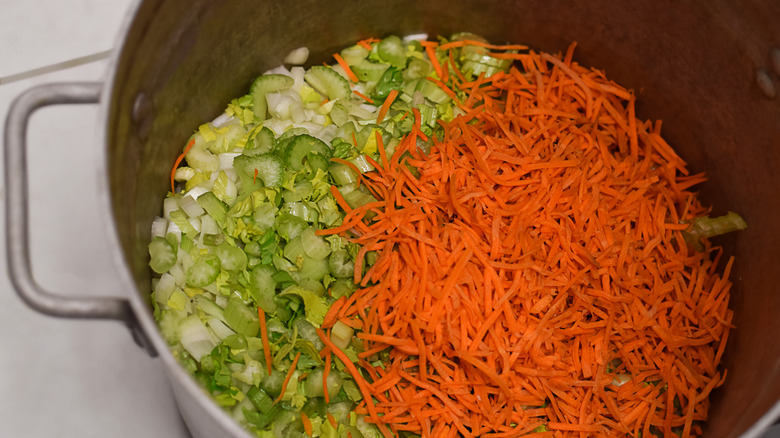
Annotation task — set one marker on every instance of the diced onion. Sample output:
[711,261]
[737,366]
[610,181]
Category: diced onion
[159,227]
[297,56]
[169,205]
[415,37]
[222,120]
[191,207]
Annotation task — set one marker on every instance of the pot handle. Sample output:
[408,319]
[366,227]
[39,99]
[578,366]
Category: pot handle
[17,232]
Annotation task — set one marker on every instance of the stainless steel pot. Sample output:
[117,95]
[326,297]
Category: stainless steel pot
[708,69]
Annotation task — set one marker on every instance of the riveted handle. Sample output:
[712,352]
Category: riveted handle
[17,220]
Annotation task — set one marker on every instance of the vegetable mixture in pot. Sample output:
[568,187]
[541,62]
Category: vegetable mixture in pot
[442,238]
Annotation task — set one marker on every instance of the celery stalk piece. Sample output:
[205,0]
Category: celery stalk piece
[163,255]
[328,82]
[263,85]
[706,227]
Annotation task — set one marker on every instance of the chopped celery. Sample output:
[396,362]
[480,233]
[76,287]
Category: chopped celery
[314,383]
[231,257]
[328,82]
[391,50]
[289,226]
[265,168]
[706,226]
[180,219]
[341,335]
[199,158]
[315,246]
[368,71]
[314,269]
[342,287]
[341,264]
[391,79]
[241,318]
[262,287]
[302,145]
[196,338]
[262,401]
[315,306]
[354,54]
[163,255]
[262,143]
[214,207]
[267,84]
[243,235]
[342,174]
[204,271]
[293,251]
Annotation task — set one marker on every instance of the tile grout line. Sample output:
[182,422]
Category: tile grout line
[75,62]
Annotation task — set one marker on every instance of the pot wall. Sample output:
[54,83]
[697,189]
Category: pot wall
[692,65]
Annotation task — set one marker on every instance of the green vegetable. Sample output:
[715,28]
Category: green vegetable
[391,50]
[163,255]
[204,271]
[262,86]
[705,226]
[303,145]
[328,82]
[245,235]
[241,318]
[315,305]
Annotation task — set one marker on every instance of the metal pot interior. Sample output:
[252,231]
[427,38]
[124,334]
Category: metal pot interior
[692,64]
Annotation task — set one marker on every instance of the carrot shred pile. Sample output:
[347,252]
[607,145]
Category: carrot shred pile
[535,273]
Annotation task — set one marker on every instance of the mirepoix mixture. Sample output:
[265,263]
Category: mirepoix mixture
[442,238]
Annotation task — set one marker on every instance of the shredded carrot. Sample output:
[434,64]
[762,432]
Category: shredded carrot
[347,163]
[264,338]
[307,427]
[254,177]
[366,43]
[178,161]
[461,43]
[325,374]
[386,105]
[534,258]
[353,371]
[288,377]
[352,76]
[333,312]
[332,421]
[363,96]
[431,51]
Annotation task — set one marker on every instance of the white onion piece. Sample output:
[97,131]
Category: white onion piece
[415,37]
[169,205]
[281,70]
[196,191]
[297,56]
[226,160]
[222,120]
[191,207]
[159,226]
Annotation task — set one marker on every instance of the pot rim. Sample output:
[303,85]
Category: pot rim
[144,318]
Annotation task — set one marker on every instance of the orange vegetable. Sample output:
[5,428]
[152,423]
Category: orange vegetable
[535,262]
[178,161]
[363,96]
[386,105]
[288,377]
[307,427]
[352,76]
[264,338]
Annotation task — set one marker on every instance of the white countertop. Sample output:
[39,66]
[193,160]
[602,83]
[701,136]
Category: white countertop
[59,377]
